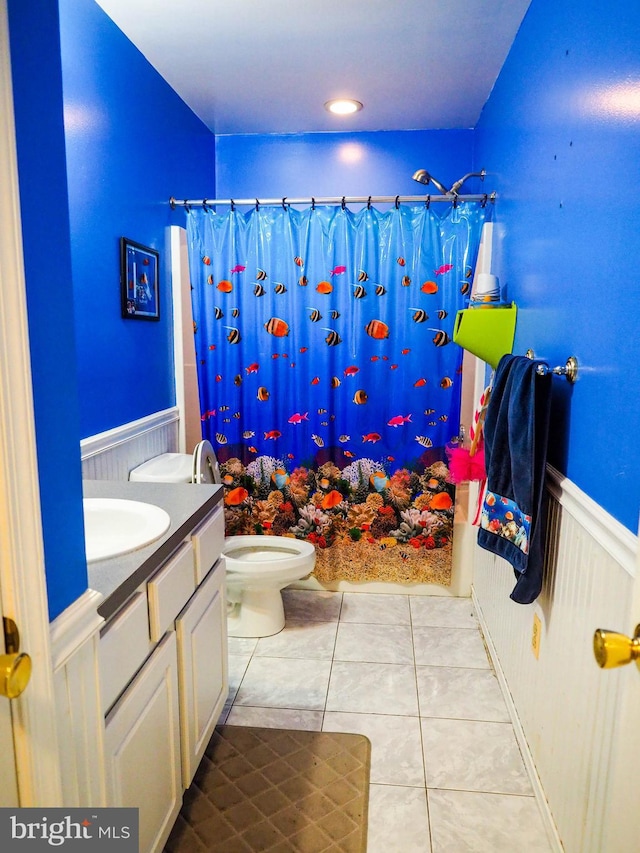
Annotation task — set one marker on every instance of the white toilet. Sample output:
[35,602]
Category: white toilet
[257,567]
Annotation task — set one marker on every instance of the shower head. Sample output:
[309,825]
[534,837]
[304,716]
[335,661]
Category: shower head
[456,187]
[423,177]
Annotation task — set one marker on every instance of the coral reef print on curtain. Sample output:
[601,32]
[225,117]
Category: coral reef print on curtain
[329,385]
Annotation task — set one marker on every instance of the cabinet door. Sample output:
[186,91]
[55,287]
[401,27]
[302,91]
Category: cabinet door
[203,672]
[142,747]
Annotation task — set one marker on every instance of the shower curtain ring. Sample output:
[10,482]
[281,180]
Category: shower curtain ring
[455,201]
[233,204]
[397,202]
[257,205]
[484,201]
[204,205]
[427,202]
[284,206]
[313,203]
[187,206]
[344,201]
[369,203]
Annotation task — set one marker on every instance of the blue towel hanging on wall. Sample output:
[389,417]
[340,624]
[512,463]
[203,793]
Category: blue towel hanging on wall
[515,433]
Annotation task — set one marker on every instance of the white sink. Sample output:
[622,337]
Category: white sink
[113,526]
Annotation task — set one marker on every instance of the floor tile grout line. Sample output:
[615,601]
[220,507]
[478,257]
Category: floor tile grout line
[422,751]
[476,791]
[335,642]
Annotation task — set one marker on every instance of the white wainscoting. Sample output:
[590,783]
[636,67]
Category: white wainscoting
[111,455]
[565,705]
[79,717]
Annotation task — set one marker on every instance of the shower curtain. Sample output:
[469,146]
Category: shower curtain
[329,384]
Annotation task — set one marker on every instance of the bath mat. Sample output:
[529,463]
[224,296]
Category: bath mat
[277,791]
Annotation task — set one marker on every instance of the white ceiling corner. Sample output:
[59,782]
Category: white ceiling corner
[250,66]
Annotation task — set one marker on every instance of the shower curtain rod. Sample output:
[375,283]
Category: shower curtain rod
[452,198]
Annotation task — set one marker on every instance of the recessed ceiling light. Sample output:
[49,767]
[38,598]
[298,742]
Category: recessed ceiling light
[343,106]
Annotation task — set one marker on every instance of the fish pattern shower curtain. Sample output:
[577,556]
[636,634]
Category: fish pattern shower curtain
[329,384]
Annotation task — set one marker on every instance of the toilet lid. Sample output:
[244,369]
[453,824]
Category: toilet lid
[205,464]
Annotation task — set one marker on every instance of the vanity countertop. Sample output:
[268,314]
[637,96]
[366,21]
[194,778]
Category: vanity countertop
[118,577]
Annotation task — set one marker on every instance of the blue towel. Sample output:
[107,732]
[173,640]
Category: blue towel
[515,434]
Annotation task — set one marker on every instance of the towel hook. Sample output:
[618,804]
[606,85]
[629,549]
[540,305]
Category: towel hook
[569,370]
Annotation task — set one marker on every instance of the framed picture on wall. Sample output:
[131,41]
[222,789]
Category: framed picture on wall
[139,281]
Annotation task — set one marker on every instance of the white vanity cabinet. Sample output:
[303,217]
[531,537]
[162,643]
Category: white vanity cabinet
[171,636]
[142,747]
[201,629]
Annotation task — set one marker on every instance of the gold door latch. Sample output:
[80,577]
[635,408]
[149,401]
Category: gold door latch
[613,649]
[15,666]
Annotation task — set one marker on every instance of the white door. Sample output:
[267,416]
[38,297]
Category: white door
[29,764]
[622,833]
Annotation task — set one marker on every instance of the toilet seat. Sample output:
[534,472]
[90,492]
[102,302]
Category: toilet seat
[205,464]
[256,560]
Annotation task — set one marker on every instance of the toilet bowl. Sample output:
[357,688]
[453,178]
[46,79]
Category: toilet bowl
[257,567]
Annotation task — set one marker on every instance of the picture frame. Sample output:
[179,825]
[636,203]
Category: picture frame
[139,274]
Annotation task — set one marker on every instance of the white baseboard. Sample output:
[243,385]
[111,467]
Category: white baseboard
[543,805]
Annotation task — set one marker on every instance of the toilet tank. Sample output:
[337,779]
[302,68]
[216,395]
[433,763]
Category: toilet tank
[166,468]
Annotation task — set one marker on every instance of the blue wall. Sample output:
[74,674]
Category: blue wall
[337,164]
[131,144]
[126,145]
[560,137]
[35,49]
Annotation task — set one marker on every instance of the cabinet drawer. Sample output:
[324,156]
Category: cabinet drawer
[169,590]
[208,540]
[124,645]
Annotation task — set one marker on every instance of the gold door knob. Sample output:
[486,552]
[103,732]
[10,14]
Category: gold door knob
[15,672]
[613,649]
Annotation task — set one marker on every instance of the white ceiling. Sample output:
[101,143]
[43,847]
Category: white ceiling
[268,66]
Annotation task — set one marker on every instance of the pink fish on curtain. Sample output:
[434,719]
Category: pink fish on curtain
[238,268]
[399,420]
[338,270]
[443,269]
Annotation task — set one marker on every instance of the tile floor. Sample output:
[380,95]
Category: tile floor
[412,674]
